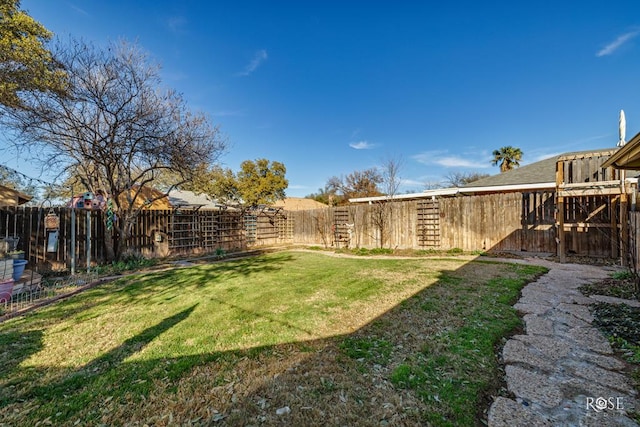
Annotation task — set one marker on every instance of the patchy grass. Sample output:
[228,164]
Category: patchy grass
[621,324]
[286,338]
[399,252]
[621,284]
[457,365]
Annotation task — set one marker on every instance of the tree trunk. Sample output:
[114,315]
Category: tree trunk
[110,237]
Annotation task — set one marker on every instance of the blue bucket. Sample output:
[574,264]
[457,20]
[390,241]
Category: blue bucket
[18,268]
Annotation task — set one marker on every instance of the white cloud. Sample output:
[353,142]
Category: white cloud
[454,161]
[427,157]
[617,43]
[79,10]
[259,57]
[442,158]
[361,145]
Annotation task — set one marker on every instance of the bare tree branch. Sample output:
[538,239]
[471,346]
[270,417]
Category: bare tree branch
[116,126]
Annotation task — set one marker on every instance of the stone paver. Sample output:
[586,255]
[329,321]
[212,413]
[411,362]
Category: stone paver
[562,371]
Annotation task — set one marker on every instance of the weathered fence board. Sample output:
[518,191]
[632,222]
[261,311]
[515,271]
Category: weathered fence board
[154,233]
[492,222]
[487,222]
[634,241]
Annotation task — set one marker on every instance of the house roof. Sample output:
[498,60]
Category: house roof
[533,173]
[539,175]
[190,200]
[543,171]
[11,197]
[627,156]
[298,204]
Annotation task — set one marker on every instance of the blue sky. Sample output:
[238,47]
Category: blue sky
[331,87]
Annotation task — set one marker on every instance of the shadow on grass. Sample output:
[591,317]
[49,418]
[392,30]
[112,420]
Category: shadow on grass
[262,315]
[430,344]
[145,286]
[110,361]
[18,345]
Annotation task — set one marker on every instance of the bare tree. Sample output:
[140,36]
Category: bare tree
[391,167]
[460,179]
[356,184]
[117,129]
[432,185]
[382,212]
[322,225]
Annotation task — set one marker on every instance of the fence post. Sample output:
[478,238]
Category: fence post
[73,241]
[88,243]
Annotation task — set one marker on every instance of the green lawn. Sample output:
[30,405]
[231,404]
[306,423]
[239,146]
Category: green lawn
[292,337]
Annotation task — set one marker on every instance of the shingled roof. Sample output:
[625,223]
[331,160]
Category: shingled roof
[539,172]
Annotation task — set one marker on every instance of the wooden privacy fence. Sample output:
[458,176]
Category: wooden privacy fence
[506,221]
[517,221]
[45,248]
[155,233]
[499,222]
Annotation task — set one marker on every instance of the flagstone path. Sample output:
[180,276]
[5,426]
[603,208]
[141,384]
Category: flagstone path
[562,371]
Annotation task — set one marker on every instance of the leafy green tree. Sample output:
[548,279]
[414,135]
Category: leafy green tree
[215,181]
[26,65]
[259,182]
[508,157]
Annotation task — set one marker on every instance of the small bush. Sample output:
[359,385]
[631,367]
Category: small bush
[361,251]
[455,251]
[381,251]
[220,253]
[479,252]
[374,251]
[129,260]
[623,275]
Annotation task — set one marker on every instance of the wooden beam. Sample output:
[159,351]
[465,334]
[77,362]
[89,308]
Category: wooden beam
[559,173]
[593,184]
[596,211]
[585,155]
[614,227]
[624,231]
[560,229]
[585,225]
[577,192]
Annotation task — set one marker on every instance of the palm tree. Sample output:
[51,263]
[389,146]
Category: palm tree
[509,157]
